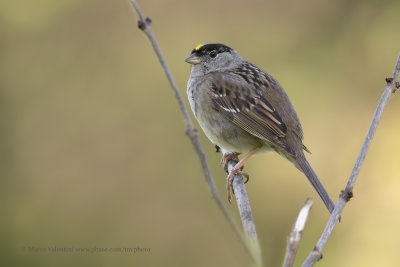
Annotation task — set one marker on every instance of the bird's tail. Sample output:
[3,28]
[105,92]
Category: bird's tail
[305,167]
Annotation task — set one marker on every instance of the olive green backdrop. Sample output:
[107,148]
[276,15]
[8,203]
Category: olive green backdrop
[93,146]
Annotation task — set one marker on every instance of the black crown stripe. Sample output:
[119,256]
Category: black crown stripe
[210,47]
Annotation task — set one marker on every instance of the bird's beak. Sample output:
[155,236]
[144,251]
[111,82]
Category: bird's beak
[193,59]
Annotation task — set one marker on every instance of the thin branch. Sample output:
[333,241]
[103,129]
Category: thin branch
[144,24]
[246,215]
[347,194]
[295,236]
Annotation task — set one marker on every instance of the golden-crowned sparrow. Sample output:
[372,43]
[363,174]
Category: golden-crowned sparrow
[241,108]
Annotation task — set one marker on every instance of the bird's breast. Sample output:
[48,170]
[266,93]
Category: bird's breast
[217,127]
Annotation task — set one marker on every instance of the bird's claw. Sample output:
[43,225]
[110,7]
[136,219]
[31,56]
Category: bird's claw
[229,180]
[227,157]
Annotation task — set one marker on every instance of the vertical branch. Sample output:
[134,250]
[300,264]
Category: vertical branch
[295,236]
[246,215]
[145,25]
[347,194]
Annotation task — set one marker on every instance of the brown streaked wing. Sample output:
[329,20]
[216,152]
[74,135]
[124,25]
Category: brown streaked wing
[250,111]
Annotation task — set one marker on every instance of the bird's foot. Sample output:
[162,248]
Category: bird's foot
[231,176]
[226,157]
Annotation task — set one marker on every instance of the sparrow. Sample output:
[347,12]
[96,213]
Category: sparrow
[243,109]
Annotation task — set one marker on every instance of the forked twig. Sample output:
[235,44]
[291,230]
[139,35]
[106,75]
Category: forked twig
[347,193]
[253,248]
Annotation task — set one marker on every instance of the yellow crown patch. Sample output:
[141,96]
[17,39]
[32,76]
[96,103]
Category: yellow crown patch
[198,47]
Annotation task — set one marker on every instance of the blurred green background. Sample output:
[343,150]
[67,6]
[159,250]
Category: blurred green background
[93,146]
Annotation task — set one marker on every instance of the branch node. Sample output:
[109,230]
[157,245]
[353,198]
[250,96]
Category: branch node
[346,194]
[397,85]
[318,253]
[389,80]
[141,25]
[191,132]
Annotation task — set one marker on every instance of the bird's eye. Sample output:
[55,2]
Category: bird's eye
[213,53]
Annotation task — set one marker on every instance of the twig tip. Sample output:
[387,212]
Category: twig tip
[303,215]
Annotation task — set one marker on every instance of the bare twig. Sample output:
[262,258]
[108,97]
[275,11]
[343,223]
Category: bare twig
[295,236]
[246,215]
[347,194]
[145,25]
